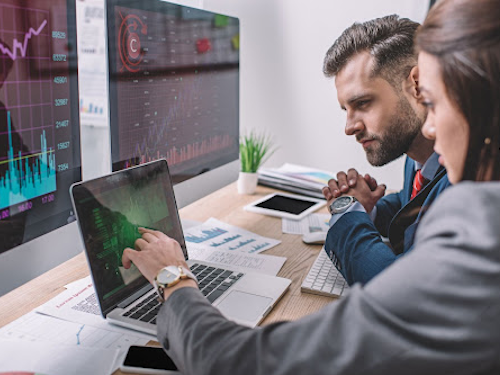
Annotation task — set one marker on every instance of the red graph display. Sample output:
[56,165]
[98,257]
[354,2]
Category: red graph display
[176,91]
[129,42]
[176,155]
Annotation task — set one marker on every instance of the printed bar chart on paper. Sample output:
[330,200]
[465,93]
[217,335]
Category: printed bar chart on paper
[216,235]
[91,107]
[204,235]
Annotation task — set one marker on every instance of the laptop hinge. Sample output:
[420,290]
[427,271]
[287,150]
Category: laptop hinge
[134,297]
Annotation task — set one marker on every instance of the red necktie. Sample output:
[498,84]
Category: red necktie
[418,183]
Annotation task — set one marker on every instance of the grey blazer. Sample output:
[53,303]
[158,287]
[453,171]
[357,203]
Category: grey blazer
[435,311]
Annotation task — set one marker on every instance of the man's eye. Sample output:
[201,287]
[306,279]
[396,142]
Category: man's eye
[362,103]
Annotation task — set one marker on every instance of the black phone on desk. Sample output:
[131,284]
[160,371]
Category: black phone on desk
[148,360]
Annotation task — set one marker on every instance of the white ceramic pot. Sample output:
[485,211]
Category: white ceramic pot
[247,182]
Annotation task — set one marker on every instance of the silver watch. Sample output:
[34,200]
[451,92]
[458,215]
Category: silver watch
[169,276]
[341,204]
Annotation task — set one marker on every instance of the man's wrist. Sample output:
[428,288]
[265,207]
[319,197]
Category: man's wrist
[183,283]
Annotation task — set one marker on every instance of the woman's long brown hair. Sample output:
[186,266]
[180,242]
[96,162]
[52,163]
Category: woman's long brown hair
[464,35]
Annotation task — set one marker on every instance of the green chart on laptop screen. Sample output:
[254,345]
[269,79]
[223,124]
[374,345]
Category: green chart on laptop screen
[111,211]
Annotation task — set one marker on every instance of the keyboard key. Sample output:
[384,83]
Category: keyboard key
[135,315]
[324,279]
[214,295]
[147,317]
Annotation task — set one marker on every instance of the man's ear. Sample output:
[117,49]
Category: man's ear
[411,84]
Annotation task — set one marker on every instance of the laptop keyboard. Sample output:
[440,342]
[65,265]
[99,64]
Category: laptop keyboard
[213,282]
[146,310]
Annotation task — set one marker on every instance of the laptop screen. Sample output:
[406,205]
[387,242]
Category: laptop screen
[110,210]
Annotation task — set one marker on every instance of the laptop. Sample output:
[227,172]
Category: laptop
[110,210]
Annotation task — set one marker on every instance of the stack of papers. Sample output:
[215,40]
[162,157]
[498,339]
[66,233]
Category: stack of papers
[296,178]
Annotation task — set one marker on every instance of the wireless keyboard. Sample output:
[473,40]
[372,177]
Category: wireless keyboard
[324,279]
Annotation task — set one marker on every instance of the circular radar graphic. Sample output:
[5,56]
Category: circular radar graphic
[129,42]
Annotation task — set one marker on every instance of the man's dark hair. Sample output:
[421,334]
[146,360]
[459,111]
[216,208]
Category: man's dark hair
[388,39]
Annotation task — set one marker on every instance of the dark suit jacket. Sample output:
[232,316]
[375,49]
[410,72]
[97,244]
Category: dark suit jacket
[354,242]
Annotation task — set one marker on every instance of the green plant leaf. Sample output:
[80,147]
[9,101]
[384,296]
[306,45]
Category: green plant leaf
[255,149]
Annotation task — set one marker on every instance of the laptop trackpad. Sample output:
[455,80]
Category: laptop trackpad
[244,306]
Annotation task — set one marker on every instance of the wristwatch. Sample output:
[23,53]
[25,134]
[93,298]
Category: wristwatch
[169,276]
[341,204]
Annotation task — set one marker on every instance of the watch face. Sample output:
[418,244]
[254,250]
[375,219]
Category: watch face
[165,277]
[341,202]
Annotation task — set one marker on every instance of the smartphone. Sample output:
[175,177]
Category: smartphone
[148,360]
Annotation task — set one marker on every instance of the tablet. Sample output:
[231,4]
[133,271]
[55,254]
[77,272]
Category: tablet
[284,205]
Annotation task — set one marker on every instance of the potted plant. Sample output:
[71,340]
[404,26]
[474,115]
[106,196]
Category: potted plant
[255,149]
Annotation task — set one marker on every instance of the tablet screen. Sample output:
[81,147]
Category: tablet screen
[286,204]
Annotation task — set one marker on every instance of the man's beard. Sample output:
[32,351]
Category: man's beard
[397,138]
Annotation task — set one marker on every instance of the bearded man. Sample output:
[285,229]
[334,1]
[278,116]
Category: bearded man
[376,76]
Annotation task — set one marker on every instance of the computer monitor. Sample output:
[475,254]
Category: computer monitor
[174,92]
[39,136]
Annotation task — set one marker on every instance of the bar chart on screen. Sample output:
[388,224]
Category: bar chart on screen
[27,176]
[39,132]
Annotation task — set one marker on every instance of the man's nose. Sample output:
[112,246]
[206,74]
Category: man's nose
[353,126]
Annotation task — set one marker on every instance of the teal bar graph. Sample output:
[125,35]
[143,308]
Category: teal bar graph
[27,177]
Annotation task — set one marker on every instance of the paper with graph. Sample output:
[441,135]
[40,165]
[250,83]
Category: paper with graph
[47,358]
[230,246]
[216,235]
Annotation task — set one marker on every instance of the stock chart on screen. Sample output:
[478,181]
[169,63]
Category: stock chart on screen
[39,133]
[174,86]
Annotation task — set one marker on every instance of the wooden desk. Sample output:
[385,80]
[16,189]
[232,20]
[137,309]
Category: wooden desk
[225,205]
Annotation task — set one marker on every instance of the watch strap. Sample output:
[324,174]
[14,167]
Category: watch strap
[184,274]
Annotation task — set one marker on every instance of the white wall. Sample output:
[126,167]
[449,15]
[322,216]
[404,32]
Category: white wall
[283,90]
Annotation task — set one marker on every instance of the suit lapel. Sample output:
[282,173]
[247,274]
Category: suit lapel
[409,213]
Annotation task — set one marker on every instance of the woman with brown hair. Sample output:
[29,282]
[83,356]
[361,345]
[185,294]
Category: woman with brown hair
[436,310]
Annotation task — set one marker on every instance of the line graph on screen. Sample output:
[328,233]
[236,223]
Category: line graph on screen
[21,47]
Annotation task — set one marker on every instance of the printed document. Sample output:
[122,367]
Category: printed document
[310,224]
[44,358]
[216,235]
